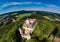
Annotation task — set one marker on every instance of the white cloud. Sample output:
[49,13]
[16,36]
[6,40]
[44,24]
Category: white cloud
[13,3]
[48,7]
[52,8]
[41,7]
[18,3]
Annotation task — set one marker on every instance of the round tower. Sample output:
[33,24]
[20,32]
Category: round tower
[27,21]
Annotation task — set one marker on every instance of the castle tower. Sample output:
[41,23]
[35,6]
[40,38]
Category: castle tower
[27,21]
[28,28]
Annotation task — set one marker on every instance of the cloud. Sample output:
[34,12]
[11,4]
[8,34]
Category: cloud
[52,8]
[17,3]
[41,6]
[48,7]
[13,3]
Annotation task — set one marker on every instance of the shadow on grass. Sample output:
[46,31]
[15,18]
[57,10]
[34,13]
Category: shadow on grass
[18,36]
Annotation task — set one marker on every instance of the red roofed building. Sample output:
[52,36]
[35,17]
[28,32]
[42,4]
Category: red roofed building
[56,39]
[28,28]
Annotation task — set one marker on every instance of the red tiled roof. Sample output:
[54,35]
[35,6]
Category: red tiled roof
[57,39]
[32,21]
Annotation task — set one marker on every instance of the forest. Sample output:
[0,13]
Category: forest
[48,24]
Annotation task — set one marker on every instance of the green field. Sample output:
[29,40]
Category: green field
[44,28]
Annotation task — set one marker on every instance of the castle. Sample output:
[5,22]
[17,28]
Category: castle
[28,28]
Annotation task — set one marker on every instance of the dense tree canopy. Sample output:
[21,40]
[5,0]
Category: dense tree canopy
[44,28]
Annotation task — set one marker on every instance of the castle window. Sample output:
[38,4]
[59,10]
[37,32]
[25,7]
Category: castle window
[27,26]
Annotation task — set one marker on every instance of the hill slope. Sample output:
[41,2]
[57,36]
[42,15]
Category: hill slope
[47,23]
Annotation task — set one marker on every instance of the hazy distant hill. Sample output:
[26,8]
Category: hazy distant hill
[48,24]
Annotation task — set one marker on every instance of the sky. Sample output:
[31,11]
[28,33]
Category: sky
[37,5]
